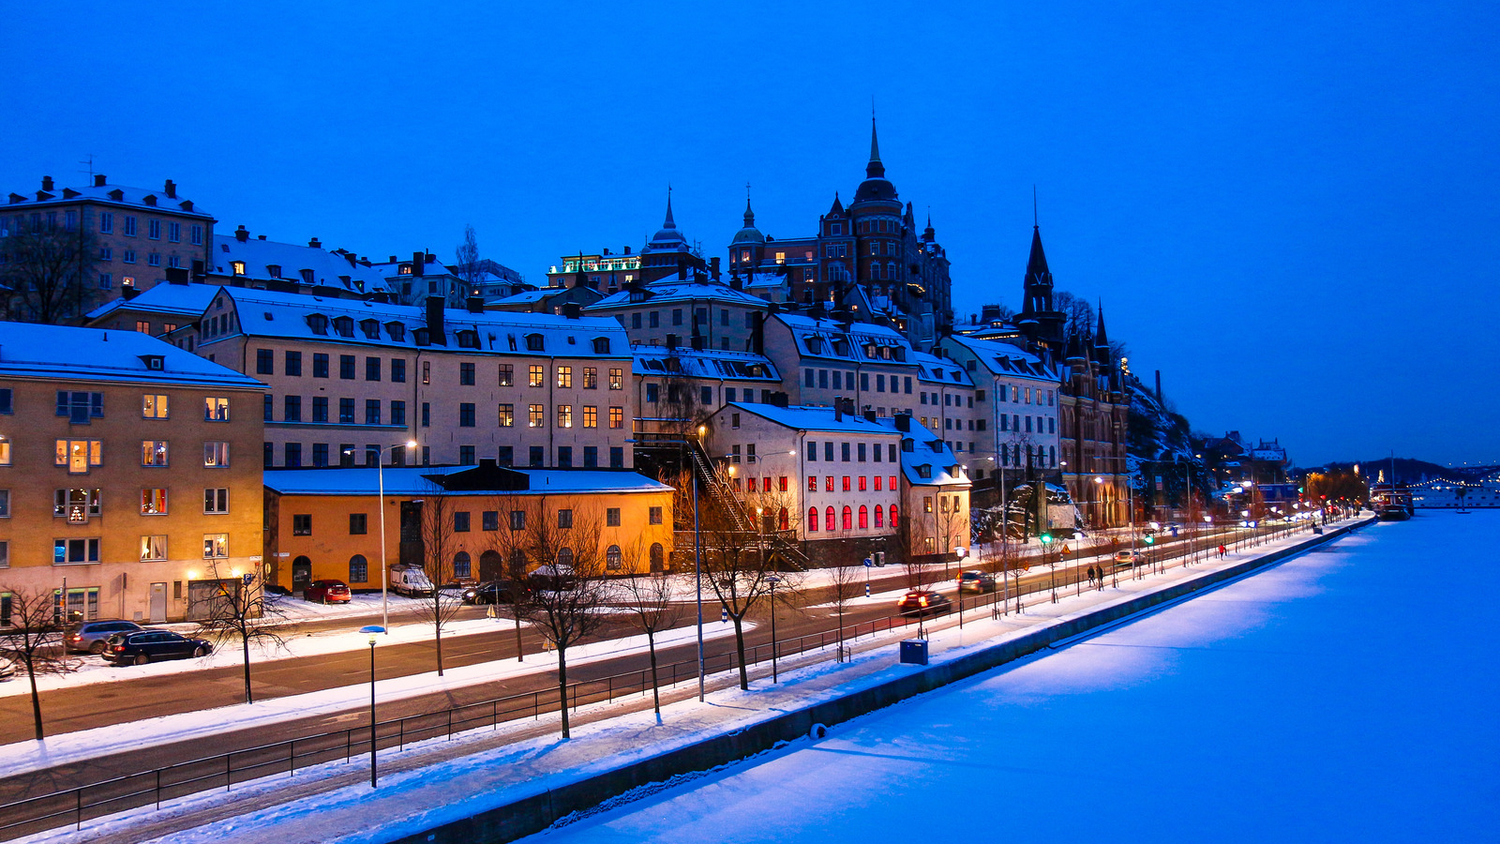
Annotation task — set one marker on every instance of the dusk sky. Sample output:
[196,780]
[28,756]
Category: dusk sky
[1290,209]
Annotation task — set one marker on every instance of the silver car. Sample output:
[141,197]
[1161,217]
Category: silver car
[90,636]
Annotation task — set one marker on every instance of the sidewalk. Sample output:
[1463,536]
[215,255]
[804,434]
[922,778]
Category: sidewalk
[439,781]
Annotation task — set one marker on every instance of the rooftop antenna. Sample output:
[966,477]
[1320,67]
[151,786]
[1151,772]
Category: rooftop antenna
[90,164]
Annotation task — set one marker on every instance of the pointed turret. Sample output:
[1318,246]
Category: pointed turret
[875,169]
[1037,273]
[748,234]
[1102,354]
[838,207]
[667,238]
[1042,324]
[929,235]
[669,223]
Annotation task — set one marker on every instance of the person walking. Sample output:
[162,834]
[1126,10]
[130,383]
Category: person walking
[1221,551]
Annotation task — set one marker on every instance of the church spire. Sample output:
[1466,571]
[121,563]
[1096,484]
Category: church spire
[875,169]
[669,224]
[749,213]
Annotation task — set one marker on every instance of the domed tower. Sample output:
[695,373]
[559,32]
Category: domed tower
[668,252]
[748,248]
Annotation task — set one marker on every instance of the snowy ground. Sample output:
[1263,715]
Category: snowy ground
[980,734]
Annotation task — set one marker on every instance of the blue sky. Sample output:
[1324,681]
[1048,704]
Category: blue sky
[1289,209]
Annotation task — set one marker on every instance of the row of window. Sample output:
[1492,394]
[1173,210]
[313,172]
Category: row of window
[82,455]
[1017,394]
[153,548]
[851,482]
[81,406]
[128,225]
[1013,423]
[844,380]
[850,451]
[848,520]
[489,520]
[1046,456]
[319,456]
[700,318]
[949,400]
[80,505]
[505,413]
[536,374]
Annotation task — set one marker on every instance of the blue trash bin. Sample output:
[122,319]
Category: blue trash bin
[914,651]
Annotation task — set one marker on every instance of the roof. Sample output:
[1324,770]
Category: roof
[806,418]
[265,313]
[107,193]
[187,300]
[931,451]
[290,259]
[1005,359]
[706,363]
[61,353]
[417,481]
[941,370]
[676,290]
[827,338]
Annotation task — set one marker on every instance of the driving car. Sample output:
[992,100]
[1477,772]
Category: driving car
[327,592]
[490,592]
[143,646]
[975,580]
[90,636]
[922,602]
[1126,559]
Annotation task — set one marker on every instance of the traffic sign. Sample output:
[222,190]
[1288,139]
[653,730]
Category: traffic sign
[1066,550]
[869,562]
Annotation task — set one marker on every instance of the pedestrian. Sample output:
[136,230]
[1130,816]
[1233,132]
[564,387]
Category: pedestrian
[1091,575]
[1221,552]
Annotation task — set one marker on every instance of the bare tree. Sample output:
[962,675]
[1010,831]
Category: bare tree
[34,636]
[467,265]
[736,564]
[439,545]
[511,544]
[651,602]
[843,585]
[241,611]
[47,273]
[1077,311]
[567,590]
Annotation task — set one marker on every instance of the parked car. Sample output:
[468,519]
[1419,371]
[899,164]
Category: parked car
[975,580]
[143,646]
[1126,559]
[410,581]
[923,602]
[327,592]
[552,577]
[490,592]
[9,666]
[91,636]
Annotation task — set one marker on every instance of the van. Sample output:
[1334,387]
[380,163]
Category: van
[410,581]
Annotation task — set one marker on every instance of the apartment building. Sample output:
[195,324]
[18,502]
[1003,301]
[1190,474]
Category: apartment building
[699,314]
[825,360]
[1016,395]
[129,480]
[348,379]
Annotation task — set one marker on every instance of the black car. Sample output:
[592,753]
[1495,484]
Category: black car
[490,592]
[144,646]
[976,581]
[919,602]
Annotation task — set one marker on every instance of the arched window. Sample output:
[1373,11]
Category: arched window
[461,564]
[848,518]
[786,520]
[864,517]
[828,521]
[489,565]
[893,517]
[612,558]
[565,556]
[359,569]
[812,519]
[879,516]
[658,557]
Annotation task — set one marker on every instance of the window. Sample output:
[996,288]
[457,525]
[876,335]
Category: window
[463,565]
[372,369]
[612,558]
[71,551]
[565,416]
[129,225]
[174,232]
[215,501]
[76,505]
[617,417]
[601,345]
[461,521]
[466,415]
[535,418]
[616,379]
[653,515]
[536,377]
[292,408]
[80,407]
[612,516]
[153,452]
[346,411]
[398,413]
[154,502]
[302,524]
[828,482]
[616,457]
[215,546]
[153,229]
[215,455]
[507,416]
[534,343]
[197,235]
[590,416]
[590,378]
[518,519]
[846,483]
[926,504]
[106,222]
[398,370]
[564,519]
[812,483]
[894,523]
[4,503]
[320,365]
[565,376]
[359,569]
[346,367]
[864,517]
[507,375]
[466,455]
[265,362]
[828,519]
[293,364]
[426,372]
[215,409]
[466,374]
[153,548]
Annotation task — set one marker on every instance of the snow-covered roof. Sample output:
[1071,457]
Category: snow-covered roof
[930,451]
[707,363]
[806,418]
[418,481]
[142,198]
[185,300]
[676,290]
[529,297]
[289,260]
[265,313]
[860,341]
[1004,358]
[62,353]
[936,370]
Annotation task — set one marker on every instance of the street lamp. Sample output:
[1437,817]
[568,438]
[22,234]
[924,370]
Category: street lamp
[385,608]
[773,580]
[372,630]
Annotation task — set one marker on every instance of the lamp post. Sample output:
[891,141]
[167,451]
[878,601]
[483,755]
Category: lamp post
[385,608]
[372,630]
[773,580]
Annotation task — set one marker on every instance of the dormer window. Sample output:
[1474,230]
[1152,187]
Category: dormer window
[318,323]
[155,363]
[815,345]
[924,471]
[371,328]
[396,330]
[343,326]
[870,350]
[468,339]
[422,337]
[273,270]
[908,445]
[307,276]
[238,267]
[404,269]
[601,345]
[534,343]
[841,347]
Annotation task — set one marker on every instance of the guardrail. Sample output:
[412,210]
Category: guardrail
[75,806]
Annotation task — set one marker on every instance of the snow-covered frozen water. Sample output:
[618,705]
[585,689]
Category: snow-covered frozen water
[1345,695]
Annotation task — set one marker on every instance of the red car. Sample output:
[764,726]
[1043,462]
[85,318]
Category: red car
[327,592]
[920,602]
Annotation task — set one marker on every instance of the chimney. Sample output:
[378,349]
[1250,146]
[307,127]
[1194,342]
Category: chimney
[392,260]
[870,416]
[838,409]
[315,244]
[698,342]
[572,310]
[177,275]
[430,258]
[199,269]
[100,180]
[241,234]
[903,422]
[379,297]
[417,259]
[129,292]
[170,189]
[780,399]
[435,329]
[475,304]
[713,267]
[758,332]
[671,341]
[47,184]
[627,250]
[681,265]
[1158,386]
[849,405]
[260,237]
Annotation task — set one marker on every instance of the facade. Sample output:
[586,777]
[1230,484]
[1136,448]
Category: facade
[823,361]
[700,314]
[325,523]
[935,492]
[675,388]
[240,260]
[1016,415]
[603,271]
[139,233]
[945,404]
[347,378]
[129,480]
[161,310]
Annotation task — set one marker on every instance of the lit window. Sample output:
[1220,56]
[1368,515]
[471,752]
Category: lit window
[153,502]
[153,406]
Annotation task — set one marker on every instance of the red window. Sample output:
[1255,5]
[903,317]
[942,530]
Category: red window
[864,515]
[848,518]
[879,482]
[829,518]
[786,518]
[812,519]
[846,483]
[828,486]
[812,483]
[893,483]
[879,515]
[783,483]
[861,483]
[765,484]
[893,517]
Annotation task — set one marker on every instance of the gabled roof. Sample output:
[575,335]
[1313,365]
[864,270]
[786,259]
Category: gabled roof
[805,418]
[931,451]
[259,256]
[65,354]
[185,300]
[706,363]
[1005,359]
[677,290]
[934,369]
[118,195]
[832,340]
